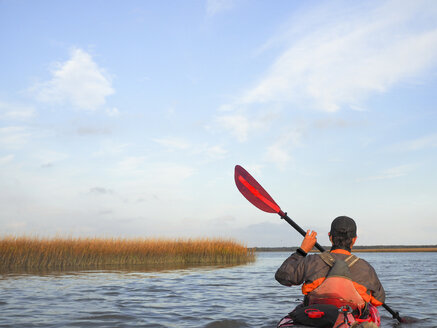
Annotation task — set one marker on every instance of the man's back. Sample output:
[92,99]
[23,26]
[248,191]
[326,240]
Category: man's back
[311,271]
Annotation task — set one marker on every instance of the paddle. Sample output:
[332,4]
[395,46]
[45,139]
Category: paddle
[256,194]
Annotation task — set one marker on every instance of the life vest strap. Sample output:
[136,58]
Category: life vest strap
[327,258]
[330,260]
[351,260]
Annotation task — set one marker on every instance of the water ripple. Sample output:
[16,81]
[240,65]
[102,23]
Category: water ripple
[242,296]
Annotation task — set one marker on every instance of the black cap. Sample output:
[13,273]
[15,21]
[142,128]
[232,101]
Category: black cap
[343,226]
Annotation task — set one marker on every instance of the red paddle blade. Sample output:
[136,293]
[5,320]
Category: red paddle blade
[253,191]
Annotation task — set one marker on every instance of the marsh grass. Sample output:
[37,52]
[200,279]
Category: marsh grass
[61,253]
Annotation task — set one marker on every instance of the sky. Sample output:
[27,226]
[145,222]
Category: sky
[127,118]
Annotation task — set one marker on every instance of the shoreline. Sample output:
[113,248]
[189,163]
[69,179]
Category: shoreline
[361,249]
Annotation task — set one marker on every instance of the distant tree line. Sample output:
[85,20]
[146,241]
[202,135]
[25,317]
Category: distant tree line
[399,248]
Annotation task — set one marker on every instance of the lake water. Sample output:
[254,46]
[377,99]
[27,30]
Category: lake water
[208,297]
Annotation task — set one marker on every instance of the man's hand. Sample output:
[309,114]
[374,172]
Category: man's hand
[309,241]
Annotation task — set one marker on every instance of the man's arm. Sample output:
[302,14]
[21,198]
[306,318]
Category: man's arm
[292,271]
[378,293]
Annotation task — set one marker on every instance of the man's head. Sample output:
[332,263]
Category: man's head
[343,232]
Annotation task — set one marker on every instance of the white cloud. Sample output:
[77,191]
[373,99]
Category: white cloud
[171,173]
[238,125]
[425,142]
[78,81]
[280,151]
[215,152]
[214,7]
[173,143]
[48,158]
[101,191]
[16,111]
[14,136]
[92,131]
[278,154]
[113,112]
[390,173]
[350,55]
[6,159]
[255,170]
[111,148]
[131,165]
[241,126]
[210,152]
[153,174]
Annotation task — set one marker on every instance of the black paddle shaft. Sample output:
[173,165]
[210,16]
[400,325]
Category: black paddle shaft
[392,312]
[320,248]
[299,229]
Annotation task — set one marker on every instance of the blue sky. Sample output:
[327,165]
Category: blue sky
[126,118]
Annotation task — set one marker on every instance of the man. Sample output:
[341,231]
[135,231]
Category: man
[336,278]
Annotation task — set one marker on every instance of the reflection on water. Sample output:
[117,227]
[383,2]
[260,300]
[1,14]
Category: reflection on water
[238,296]
[161,267]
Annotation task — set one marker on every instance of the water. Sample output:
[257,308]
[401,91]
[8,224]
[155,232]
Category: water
[208,297]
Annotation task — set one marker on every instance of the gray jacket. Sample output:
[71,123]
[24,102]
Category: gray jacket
[312,270]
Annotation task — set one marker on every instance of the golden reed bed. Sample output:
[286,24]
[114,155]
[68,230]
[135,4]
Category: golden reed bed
[59,253]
